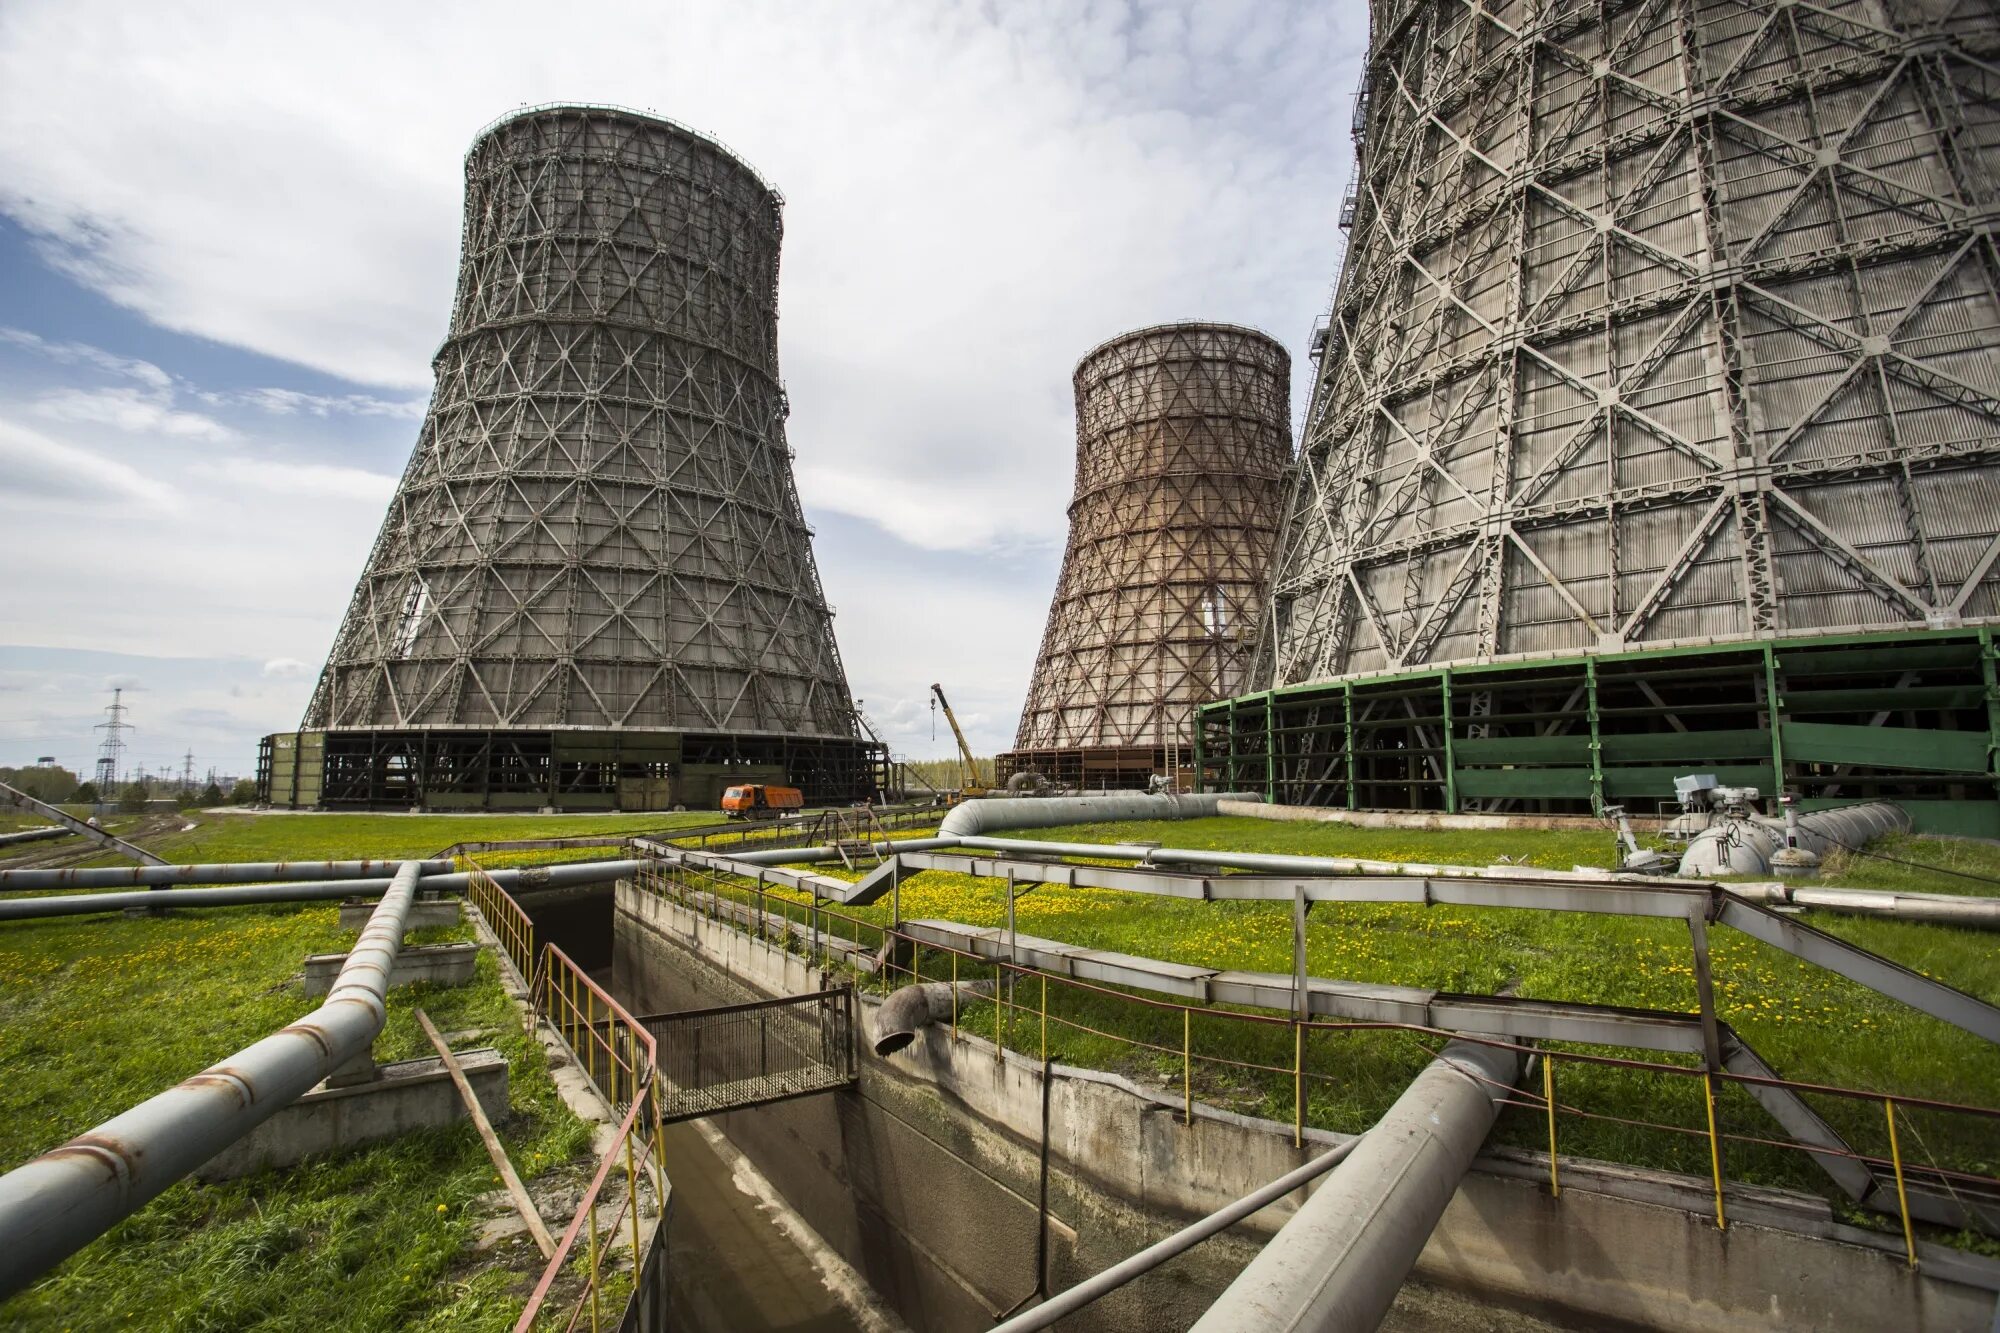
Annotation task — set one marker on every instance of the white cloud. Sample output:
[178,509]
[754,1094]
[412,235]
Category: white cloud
[245,552]
[76,353]
[135,411]
[975,195]
[284,668]
[39,472]
[267,477]
[291,402]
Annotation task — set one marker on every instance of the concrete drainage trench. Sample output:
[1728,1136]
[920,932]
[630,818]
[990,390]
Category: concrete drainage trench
[738,1257]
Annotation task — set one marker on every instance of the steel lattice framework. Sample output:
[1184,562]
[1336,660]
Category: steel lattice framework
[1662,321]
[598,526]
[1182,440]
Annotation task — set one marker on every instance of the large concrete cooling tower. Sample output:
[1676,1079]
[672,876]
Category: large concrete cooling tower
[1182,436]
[1654,424]
[594,587]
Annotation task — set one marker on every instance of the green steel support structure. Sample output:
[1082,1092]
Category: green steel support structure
[1906,716]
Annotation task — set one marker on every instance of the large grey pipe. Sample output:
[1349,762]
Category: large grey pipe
[228,872]
[56,1204]
[990,815]
[1068,1302]
[32,835]
[1339,1262]
[1745,846]
[968,825]
[536,877]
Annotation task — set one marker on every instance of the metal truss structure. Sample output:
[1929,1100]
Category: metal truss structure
[1662,322]
[1911,716]
[1182,439]
[598,529]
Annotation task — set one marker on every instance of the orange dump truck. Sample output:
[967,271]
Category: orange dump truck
[756,801]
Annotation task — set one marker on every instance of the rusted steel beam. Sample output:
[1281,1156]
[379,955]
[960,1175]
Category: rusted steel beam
[523,1203]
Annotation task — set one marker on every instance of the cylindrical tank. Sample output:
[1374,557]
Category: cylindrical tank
[1182,439]
[598,528]
[1674,328]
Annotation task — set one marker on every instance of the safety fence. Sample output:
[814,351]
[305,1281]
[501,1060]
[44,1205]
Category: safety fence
[1597,1104]
[505,918]
[602,1263]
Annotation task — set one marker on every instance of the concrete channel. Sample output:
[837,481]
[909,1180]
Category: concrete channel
[741,1257]
[738,1258]
[875,1187]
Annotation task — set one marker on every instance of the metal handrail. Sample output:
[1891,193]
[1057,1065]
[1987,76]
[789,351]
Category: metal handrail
[564,994]
[767,901]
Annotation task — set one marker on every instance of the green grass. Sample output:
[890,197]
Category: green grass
[1811,1024]
[1920,865]
[96,1016]
[373,837]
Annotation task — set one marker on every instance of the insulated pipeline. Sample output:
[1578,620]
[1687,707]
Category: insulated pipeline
[230,872]
[33,835]
[514,881]
[61,1201]
[1065,1303]
[1340,1260]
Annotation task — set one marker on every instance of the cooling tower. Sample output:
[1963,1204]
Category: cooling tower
[1183,433]
[594,587]
[1655,422]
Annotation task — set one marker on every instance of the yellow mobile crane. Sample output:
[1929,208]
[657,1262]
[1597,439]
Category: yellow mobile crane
[972,786]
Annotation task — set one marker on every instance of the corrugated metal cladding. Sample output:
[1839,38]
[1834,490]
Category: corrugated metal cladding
[1661,321]
[598,528]
[1182,439]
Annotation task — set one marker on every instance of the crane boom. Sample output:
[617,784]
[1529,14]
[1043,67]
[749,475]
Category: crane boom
[972,782]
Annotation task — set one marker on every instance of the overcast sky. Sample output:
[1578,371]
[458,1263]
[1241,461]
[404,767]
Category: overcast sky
[228,236]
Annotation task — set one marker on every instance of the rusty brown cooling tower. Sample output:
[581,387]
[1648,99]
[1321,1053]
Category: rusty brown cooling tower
[1183,436]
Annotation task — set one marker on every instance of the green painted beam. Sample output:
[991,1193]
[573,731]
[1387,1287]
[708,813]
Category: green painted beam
[1450,769]
[1561,782]
[1687,746]
[1573,749]
[1270,749]
[1888,747]
[1922,698]
[1929,647]
[1595,719]
[1347,745]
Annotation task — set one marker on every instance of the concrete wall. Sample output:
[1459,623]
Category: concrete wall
[925,1180]
[423,914]
[437,964]
[406,1096]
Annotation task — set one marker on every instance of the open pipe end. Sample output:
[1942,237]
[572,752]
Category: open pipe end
[916,1006]
[891,1042]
